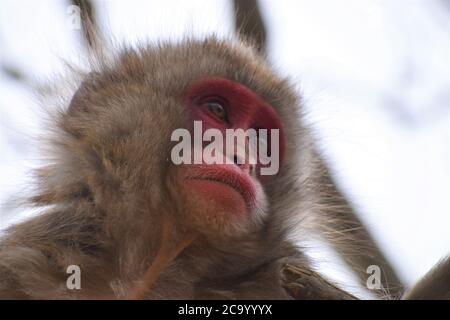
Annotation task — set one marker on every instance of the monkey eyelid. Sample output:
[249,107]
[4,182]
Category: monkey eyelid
[215,99]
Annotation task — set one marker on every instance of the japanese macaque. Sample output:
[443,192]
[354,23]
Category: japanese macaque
[139,226]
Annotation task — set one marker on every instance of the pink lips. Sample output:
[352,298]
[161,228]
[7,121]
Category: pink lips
[229,175]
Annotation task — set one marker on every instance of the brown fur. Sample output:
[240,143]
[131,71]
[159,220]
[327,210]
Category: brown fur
[435,285]
[111,188]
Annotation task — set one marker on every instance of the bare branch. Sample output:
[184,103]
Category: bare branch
[91,34]
[249,23]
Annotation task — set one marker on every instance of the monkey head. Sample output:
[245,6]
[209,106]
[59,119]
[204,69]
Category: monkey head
[121,123]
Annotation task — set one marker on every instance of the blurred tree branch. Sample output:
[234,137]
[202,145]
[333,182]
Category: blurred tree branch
[89,24]
[249,24]
[13,72]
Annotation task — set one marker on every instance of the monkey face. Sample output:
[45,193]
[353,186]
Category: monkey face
[223,181]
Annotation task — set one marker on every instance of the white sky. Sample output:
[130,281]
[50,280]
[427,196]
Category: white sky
[375,76]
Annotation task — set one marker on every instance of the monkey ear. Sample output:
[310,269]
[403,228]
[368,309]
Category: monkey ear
[81,99]
[79,107]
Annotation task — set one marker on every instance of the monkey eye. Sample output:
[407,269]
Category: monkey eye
[216,107]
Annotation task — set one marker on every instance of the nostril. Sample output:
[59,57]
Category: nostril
[239,161]
[243,165]
[236,160]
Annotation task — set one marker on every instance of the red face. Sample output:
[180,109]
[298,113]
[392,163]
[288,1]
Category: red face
[232,192]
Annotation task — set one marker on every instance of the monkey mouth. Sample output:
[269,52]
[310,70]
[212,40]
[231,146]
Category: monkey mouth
[228,175]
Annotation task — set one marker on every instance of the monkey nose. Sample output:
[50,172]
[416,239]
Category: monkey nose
[242,164]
